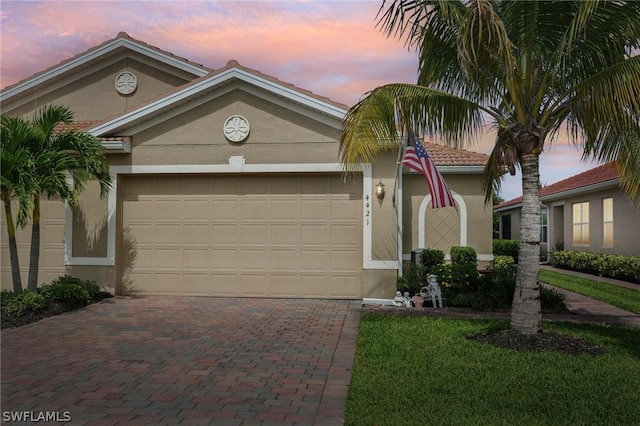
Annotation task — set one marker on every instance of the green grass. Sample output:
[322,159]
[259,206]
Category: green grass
[622,297]
[422,371]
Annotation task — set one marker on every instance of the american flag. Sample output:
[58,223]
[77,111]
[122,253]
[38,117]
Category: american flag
[416,158]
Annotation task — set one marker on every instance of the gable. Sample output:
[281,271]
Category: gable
[87,82]
[194,134]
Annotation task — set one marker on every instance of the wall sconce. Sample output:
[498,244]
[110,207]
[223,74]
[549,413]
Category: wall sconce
[380,192]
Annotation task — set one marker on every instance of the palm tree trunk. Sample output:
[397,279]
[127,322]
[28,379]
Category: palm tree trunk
[13,248]
[526,314]
[34,254]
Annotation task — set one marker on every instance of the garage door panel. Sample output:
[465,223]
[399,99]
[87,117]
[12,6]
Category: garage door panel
[284,209]
[167,233]
[195,259]
[167,258]
[283,260]
[255,233]
[284,285]
[284,234]
[196,210]
[221,259]
[313,209]
[225,209]
[196,284]
[263,236]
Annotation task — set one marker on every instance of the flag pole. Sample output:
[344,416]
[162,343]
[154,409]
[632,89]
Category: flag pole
[398,203]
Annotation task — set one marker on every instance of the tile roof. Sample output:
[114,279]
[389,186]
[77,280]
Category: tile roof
[604,173]
[446,156]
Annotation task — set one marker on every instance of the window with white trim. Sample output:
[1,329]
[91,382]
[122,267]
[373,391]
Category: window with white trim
[607,222]
[581,223]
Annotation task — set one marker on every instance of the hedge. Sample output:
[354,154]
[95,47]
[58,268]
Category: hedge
[626,268]
[506,248]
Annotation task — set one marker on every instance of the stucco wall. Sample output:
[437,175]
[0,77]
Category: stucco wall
[94,96]
[626,223]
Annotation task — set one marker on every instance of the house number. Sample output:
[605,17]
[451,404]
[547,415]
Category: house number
[367,210]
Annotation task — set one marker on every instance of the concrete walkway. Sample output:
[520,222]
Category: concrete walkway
[586,309]
[169,360]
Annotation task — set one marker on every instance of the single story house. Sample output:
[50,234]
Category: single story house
[586,212]
[227,182]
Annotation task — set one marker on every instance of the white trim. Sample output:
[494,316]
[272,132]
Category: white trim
[367,224]
[462,212]
[95,54]
[116,147]
[381,302]
[195,90]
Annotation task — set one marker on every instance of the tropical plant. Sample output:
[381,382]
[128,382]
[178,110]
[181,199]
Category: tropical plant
[16,183]
[60,152]
[533,69]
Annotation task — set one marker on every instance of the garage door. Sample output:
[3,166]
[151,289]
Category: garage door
[258,235]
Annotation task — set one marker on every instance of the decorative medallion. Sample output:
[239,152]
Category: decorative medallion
[126,83]
[236,128]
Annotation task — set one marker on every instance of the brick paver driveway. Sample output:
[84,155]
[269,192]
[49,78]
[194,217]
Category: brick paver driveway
[166,360]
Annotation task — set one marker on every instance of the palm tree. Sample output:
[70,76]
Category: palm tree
[532,69]
[16,182]
[59,153]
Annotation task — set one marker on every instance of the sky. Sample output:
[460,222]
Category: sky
[332,48]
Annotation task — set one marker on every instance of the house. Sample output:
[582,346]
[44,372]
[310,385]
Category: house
[586,212]
[227,183]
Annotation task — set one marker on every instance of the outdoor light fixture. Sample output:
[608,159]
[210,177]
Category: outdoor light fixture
[380,192]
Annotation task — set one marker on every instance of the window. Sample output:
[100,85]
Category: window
[581,223]
[506,226]
[607,222]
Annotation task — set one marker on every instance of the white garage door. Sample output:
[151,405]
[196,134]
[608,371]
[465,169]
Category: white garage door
[265,236]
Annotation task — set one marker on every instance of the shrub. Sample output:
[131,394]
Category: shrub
[21,303]
[553,300]
[71,296]
[606,265]
[93,289]
[413,279]
[464,255]
[429,258]
[506,248]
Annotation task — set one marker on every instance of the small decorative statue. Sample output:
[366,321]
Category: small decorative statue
[407,300]
[434,290]
[418,301]
[398,300]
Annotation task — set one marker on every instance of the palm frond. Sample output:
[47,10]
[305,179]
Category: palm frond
[374,124]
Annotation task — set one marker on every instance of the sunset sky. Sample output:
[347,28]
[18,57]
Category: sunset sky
[332,48]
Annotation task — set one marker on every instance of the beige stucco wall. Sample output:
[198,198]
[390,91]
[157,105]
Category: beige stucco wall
[479,216]
[51,246]
[94,97]
[626,223]
[277,135]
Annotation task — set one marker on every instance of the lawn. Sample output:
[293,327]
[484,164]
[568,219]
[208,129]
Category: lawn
[622,297]
[422,370]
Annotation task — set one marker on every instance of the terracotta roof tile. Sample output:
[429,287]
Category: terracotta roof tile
[603,173]
[445,156]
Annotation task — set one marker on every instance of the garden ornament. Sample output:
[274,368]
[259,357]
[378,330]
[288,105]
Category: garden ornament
[434,290]
[398,300]
[407,300]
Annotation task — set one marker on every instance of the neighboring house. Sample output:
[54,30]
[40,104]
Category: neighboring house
[227,182]
[586,212]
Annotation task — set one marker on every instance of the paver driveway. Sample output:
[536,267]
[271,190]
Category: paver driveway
[153,360]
